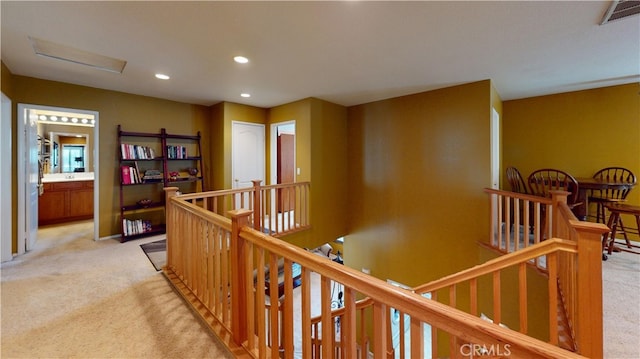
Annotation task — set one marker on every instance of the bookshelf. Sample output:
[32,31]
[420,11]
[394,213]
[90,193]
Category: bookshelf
[147,163]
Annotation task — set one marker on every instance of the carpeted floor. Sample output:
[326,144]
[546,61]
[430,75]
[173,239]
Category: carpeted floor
[72,297]
[621,305]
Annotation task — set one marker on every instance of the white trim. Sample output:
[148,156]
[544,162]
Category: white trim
[274,149]
[20,158]
[21,167]
[233,164]
[6,252]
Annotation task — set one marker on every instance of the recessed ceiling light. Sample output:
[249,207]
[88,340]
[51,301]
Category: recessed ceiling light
[245,95]
[241,59]
[162,76]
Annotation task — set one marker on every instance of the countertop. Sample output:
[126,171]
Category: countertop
[67,177]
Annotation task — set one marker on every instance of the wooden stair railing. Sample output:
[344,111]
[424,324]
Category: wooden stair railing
[561,320]
[262,200]
[337,338]
[218,265]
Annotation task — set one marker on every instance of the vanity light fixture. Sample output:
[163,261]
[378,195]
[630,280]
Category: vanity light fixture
[241,59]
[162,76]
[63,118]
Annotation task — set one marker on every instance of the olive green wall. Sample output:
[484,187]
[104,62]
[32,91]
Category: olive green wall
[578,132]
[321,147]
[6,80]
[135,113]
[417,166]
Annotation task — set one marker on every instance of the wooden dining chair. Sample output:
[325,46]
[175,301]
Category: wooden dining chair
[611,195]
[542,181]
[602,197]
[518,185]
[516,182]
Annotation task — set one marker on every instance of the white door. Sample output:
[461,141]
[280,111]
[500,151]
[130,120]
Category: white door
[495,149]
[5,181]
[34,182]
[28,179]
[247,152]
[247,156]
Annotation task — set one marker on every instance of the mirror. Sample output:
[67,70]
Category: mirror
[65,147]
[73,158]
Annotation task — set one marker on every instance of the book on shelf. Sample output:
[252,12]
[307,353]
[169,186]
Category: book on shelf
[132,227]
[176,152]
[152,175]
[130,175]
[126,178]
[136,152]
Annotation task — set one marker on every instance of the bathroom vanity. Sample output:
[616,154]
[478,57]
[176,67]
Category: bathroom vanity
[66,197]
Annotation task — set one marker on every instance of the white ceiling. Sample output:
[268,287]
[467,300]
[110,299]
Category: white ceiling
[348,52]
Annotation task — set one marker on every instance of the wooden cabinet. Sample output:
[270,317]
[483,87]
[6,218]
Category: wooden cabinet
[147,163]
[65,202]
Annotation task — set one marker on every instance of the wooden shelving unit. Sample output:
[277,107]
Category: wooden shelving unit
[147,163]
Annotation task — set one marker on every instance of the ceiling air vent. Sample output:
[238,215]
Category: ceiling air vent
[620,9]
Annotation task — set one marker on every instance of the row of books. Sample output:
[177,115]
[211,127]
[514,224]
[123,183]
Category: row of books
[136,152]
[130,174]
[132,227]
[176,152]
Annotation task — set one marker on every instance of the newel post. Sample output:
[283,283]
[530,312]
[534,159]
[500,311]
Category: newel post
[557,196]
[588,326]
[169,221]
[257,205]
[239,219]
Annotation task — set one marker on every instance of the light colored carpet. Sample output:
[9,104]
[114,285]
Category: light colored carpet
[621,305]
[74,297]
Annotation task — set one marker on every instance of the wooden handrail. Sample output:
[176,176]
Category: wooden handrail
[262,200]
[444,317]
[219,265]
[505,261]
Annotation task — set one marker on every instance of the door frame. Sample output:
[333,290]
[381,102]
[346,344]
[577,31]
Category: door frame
[22,168]
[274,150]
[6,229]
[234,140]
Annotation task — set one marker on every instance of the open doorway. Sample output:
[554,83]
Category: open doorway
[40,161]
[283,152]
